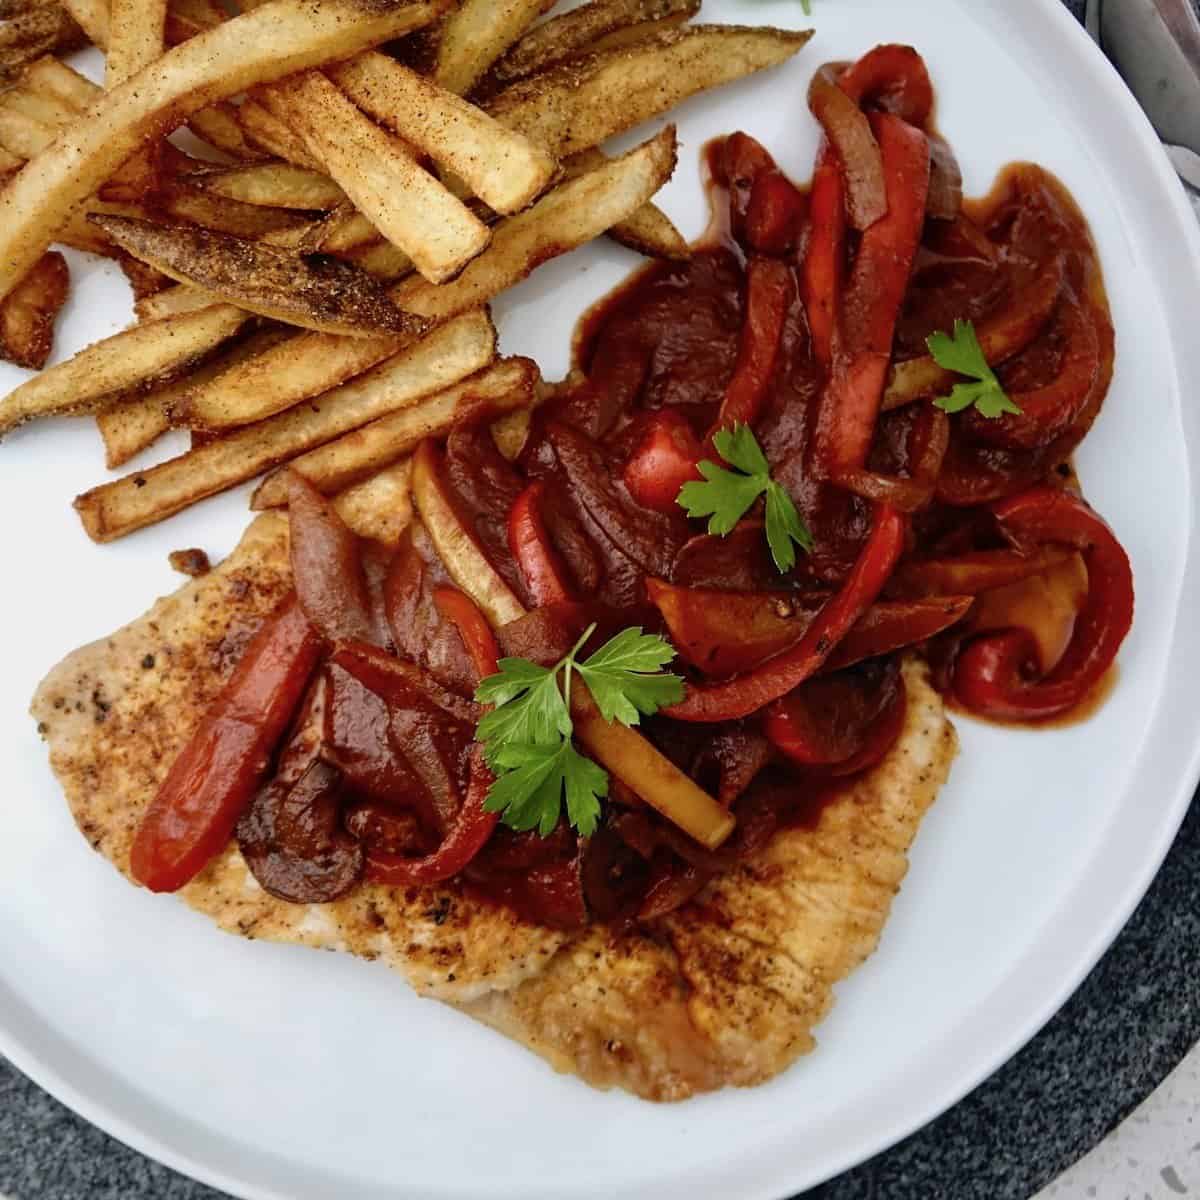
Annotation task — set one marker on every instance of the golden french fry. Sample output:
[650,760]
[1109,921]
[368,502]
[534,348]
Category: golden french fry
[23,135]
[194,204]
[569,216]
[579,104]
[136,38]
[508,384]
[177,299]
[477,34]
[505,170]
[27,313]
[279,38]
[411,208]
[137,357]
[187,18]
[274,184]
[380,507]
[48,109]
[9,162]
[53,78]
[448,353]
[274,135]
[34,32]
[218,125]
[649,231]
[323,294]
[92,17]
[631,35]
[130,426]
[572,33]
[382,259]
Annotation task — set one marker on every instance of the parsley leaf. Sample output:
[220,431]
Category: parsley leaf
[726,496]
[526,737]
[963,355]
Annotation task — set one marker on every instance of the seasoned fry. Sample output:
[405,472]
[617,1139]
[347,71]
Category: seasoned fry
[508,384]
[573,32]
[92,16]
[53,78]
[177,299]
[187,18]
[382,259]
[33,33]
[129,426]
[565,218]
[569,216]
[631,35]
[144,280]
[218,125]
[23,135]
[505,170]
[135,358]
[477,34]
[281,37]
[27,313]
[380,507]
[274,184]
[324,294]
[274,135]
[577,105]
[136,37]
[649,231]
[47,109]
[447,354]
[9,162]
[411,208]
[204,208]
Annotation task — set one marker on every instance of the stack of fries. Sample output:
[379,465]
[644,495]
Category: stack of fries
[312,274]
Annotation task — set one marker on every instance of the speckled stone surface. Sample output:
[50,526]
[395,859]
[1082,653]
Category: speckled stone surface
[1118,1038]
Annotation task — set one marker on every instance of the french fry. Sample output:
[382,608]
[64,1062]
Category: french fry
[177,299]
[447,354]
[477,34]
[53,78]
[382,260]
[505,170]
[506,385]
[649,231]
[324,294]
[23,135]
[569,216]
[47,109]
[92,17]
[143,279]
[218,125]
[35,32]
[411,208]
[579,104]
[27,313]
[281,37]
[565,218]
[200,207]
[136,37]
[137,357]
[379,507]
[130,426]
[573,33]
[187,18]
[9,163]
[275,185]
[274,135]
[631,35]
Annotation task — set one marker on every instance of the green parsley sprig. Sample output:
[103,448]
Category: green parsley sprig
[726,496]
[526,737]
[962,354]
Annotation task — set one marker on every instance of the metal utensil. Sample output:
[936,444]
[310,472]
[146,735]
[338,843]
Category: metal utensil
[1155,44]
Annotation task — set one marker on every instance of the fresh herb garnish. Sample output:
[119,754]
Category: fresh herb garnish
[963,355]
[807,6]
[526,737]
[726,496]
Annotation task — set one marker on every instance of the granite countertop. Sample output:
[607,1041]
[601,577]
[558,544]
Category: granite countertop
[1128,1028]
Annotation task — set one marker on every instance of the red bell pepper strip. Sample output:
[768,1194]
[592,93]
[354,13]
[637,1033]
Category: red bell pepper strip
[327,566]
[768,296]
[542,569]
[741,161]
[863,346]
[216,773]
[774,214]
[973,573]
[990,677]
[894,78]
[823,271]
[468,835]
[775,678]
[664,460]
[472,626]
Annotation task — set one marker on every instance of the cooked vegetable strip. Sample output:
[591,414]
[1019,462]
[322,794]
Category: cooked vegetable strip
[505,170]
[275,184]
[54,78]
[378,172]
[133,359]
[379,508]
[578,105]
[27,313]
[281,37]
[507,385]
[328,295]
[263,128]
[474,36]
[571,33]
[445,355]
[193,814]
[565,218]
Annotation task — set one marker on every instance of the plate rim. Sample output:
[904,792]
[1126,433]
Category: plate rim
[776,1173]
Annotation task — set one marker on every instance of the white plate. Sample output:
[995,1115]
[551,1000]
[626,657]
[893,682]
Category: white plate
[276,1072]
